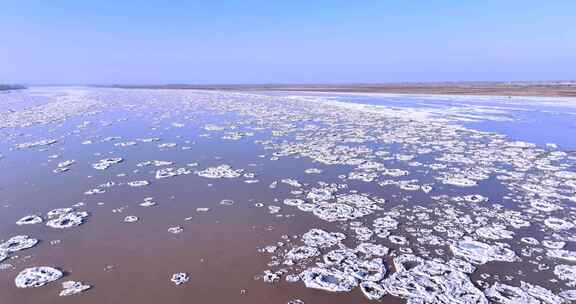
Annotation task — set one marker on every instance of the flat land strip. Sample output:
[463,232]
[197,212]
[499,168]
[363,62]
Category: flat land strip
[491,89]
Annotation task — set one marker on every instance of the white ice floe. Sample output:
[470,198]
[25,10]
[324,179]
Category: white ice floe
[322,239]
[17,243]
[37,276]
[171,172]
[222,171]
[328,280]
[68,220]
[130,219]
[526,293]
[566,273]
[302,252]
[480,253]
[433,282]
[175,230]
[180,278]
[70,288]
[106,163]
[29,220]
[139,183]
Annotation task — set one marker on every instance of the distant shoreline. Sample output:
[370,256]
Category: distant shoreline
[10,87]
[567,89]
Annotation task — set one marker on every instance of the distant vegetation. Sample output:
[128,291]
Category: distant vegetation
[7,87]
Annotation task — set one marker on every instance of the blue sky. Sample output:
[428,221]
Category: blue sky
[78,42]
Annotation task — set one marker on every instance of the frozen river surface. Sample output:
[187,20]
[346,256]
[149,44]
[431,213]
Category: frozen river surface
[180,196]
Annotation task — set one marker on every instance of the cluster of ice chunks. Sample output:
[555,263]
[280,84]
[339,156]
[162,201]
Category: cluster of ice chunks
[336,212]
[222,171]
[328,279]
[37,276]
[180,278]
[155,163]
[555,223]
[480,253]
[347,207]
[43,142]
[301,253]
[526,293]
[148,202]
[566,273]
[171,172]
[428,281]
[64,166]
[105,163]
[322,239]
[70,288]
[65,218]
[494,232]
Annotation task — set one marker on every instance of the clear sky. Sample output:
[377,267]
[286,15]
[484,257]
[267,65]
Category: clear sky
[291,41]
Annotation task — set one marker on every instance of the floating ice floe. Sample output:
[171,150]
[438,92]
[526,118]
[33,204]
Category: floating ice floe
[171,172]
[44,142]
[495,232]
[371,249]
[424,281]
[558,223]
[222,171]
[372,290]
[180,278]
[175,230]
[130,219]
[526,293]
[322,239]
[328,280]
[139,183]
[64,166]
[17,243]
[480,253]
[148,202]
[70,288]
[459,181]
[562,254]
[68,220]
[301,253]
[155,163]
[105,163]
[338,212]
[37,276]
[271,277]
[320,194]
[29,220]
[566,273]
[54,213]
[227,202]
